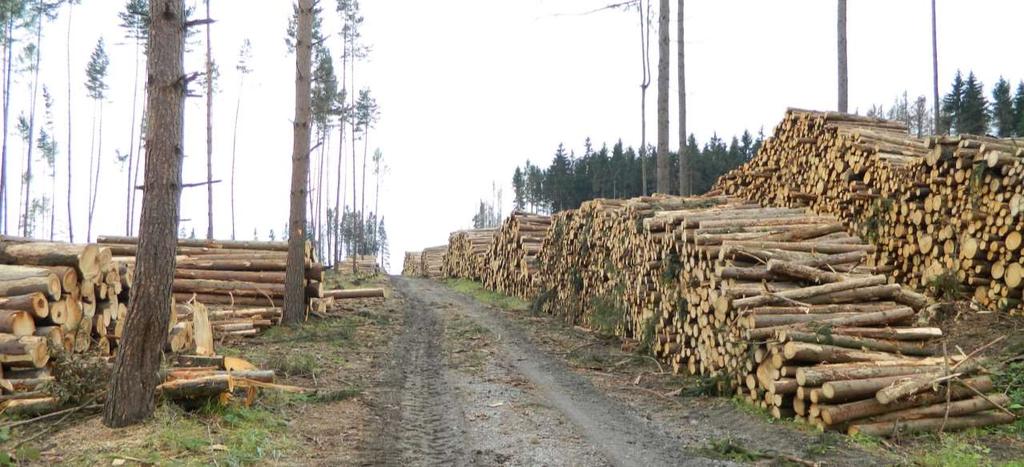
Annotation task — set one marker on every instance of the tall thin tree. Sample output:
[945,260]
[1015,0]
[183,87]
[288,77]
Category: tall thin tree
[645,55]
[135,21]
[664,168]
[294,299]
[844,77]
[130,398]
[48,149]
[244,57]
[67,45]
[684,157]
[12,12]
[96,85]
[935,72]
[209,128]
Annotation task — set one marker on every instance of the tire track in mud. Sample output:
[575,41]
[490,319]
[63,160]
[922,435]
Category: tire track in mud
[418,421]
[624,437]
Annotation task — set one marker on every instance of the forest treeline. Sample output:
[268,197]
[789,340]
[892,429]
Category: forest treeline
[965,109]
[616,171]
[570,179]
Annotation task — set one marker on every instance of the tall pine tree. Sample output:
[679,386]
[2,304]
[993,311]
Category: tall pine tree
[952,104]
[974,111]
[1002,109]
[1018,109]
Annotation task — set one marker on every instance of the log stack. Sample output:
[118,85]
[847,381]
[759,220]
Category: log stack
[411,264]
[58,295]
[227,272]
[362,265]
[511,263]
[754,296]
[945,212]
[465,257]
[432,261]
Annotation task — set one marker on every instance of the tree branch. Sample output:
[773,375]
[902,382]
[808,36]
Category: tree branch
[186,185]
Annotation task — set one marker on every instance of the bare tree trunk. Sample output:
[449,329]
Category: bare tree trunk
[138,161]
[358,222]
[131,145]
[96,180]
[32,127]
[5,205]
[935,69]
[340,194]
[234,152]
[209,129]
[130,399]
[844,78]
[645,39]
[362,208]
[684,158]
[294,298]
[664,167]
[71,225]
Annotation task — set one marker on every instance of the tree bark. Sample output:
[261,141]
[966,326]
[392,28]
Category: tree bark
[844,83]
[130,398]
[295,297]
[664,168]
[684,158]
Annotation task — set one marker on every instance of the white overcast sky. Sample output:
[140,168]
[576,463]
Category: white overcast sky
[469,89]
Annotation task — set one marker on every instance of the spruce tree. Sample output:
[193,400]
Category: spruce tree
[951,105]
[974,111]
[1018,110]
[1002,109]
[518,186]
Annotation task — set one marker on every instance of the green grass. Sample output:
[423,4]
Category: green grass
[477,291]
[337,330]
[212,435]
[955,451]
[288,364]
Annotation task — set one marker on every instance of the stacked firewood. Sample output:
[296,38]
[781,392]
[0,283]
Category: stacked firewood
[362,265]
[227,272]
[66,296]
[464,258]
[751,295]
[511,263]
[432,261]
[411,264]
[945,212]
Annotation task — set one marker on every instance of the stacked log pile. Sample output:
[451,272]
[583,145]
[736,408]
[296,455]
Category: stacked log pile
[362,265]
[58,295]
[227,272]
[942,210]
[755,297]
[411,264]
[511,263]
[432,261]
[464,258]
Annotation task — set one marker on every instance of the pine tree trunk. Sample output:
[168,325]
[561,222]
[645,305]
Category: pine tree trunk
[935,70]
[209,129]
[234,152]
[358,222]
[131,146]
[844,79]
[71,225]
[362,197]
[664,168]
[130,398]
[96,179]
[645,37]
[138,162]
[294,299]
[340,194]
[5,205]
[684,158]
[32,126]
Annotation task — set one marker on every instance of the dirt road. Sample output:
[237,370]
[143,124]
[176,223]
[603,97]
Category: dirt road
[520,406]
